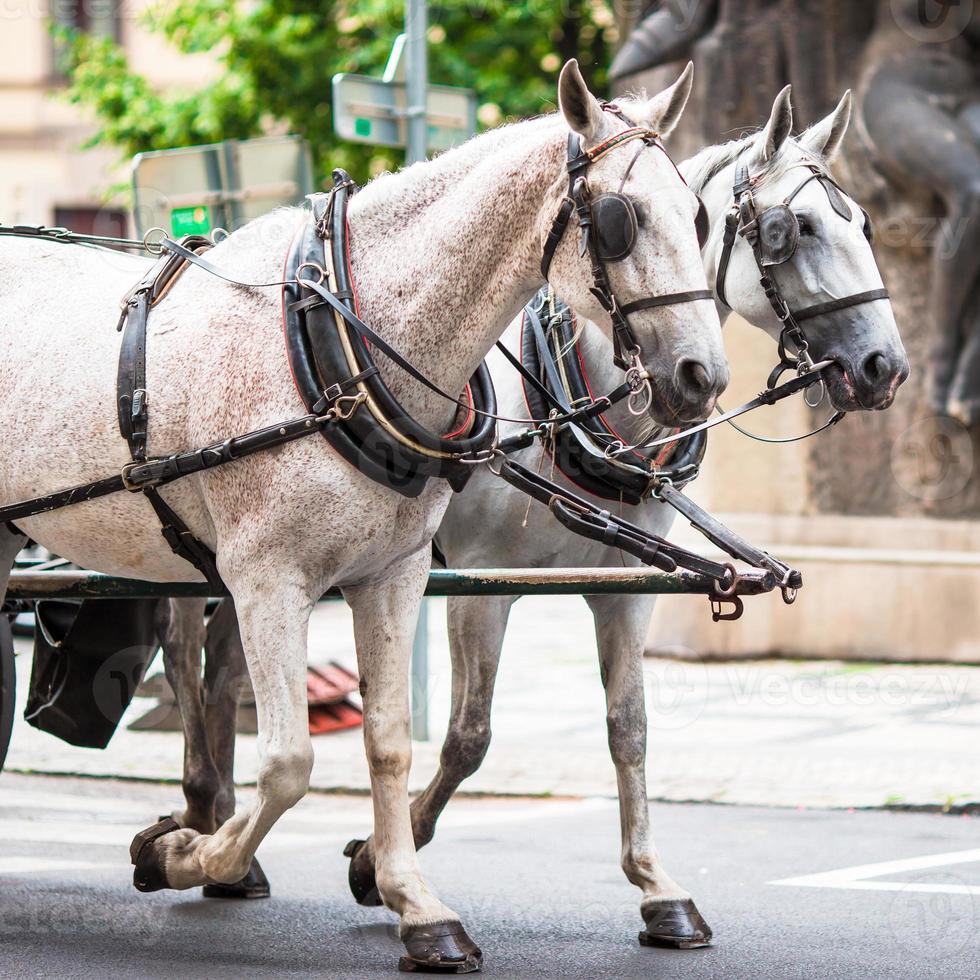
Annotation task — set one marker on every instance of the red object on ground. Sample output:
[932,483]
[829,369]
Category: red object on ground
[326,718]
[326,691]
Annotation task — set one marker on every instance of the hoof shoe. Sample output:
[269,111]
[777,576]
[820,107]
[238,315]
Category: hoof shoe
[253,885]
[360,874]
[147,858]
[676,924]
[440,947]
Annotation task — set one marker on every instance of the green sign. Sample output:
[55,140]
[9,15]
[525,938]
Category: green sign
[190,221]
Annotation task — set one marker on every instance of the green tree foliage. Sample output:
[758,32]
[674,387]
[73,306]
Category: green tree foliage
[277,58]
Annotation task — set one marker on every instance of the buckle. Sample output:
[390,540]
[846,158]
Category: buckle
[127,481]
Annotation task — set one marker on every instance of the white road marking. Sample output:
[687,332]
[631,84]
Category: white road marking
[856,878]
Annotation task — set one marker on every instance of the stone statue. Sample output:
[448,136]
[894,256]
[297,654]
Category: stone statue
[914,161]
[921,110]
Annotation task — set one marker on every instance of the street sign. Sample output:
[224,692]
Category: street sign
[195,189]
[372,110]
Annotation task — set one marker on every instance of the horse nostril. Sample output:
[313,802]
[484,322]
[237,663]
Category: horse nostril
[876,368]
[694,376]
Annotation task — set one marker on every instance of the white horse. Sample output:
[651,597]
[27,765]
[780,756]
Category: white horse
[833,260]
[445,254]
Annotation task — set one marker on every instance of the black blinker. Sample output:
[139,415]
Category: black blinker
[779,234]
[614,225]
[837,200]
[702,224]
[869,228]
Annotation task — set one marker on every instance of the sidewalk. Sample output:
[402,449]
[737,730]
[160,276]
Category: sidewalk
[787,733]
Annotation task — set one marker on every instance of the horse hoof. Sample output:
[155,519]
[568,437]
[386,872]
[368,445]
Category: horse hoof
[676,924]
[440,947]
[253,885]
[148,871]
[360,874]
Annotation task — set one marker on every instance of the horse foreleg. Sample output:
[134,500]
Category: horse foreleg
[670,915]
[385,615]
[273,628]
[476,634]
[180,628]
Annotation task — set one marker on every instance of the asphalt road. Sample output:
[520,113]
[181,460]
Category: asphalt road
[537,883]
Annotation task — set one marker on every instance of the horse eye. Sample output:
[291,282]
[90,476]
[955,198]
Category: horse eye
[805,227]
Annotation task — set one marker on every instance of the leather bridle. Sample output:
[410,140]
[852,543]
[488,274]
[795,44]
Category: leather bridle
[626,347]
[744,221]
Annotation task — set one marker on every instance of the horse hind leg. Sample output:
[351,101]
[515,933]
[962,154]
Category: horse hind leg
[476,634]
[273,629]
[225,675]
[671,918]
[180,628]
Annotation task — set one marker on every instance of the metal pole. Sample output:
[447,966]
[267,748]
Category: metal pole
[417,78]
[416,88]
[420,676]
[79,584]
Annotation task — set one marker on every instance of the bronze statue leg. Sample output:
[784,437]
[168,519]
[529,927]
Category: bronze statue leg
[922,142]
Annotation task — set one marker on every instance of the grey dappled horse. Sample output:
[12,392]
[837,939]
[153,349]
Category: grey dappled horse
[444,254]
[833,259]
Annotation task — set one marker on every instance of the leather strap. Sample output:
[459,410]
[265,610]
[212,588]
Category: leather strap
[844,303]
[671,299]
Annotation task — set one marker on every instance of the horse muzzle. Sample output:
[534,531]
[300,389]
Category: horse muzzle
[867,383]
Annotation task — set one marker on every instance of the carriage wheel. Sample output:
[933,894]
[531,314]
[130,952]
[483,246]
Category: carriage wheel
[8,686]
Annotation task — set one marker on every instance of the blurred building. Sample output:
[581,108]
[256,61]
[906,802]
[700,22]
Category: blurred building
[45,176]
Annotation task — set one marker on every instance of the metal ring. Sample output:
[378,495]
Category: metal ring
[154,247]
[726,592]
[310,265]
[789,595]
[224,232]
[646,392]
[496,453]
[821,390]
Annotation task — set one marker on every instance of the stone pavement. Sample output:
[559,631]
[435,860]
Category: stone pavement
[786,733]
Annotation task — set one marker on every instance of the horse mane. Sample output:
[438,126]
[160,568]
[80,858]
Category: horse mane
[704,166]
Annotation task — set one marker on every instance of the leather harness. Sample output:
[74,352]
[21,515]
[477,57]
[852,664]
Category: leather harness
[329,350]
[550,350]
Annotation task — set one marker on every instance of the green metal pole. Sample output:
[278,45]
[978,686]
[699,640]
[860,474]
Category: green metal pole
[442,582]
[420,676]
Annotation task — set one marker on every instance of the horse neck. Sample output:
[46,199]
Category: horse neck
[445,253]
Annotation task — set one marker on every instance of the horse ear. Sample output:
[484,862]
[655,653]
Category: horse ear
[825,137]
[780,125]
[663,112]
[578,105]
